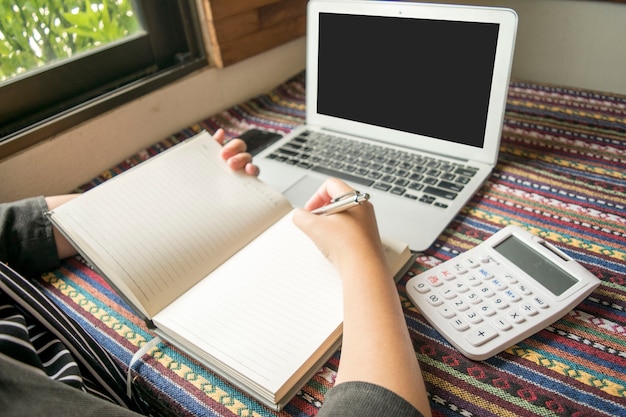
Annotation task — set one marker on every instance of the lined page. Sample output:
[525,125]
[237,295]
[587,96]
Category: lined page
[265,311]
[158,228]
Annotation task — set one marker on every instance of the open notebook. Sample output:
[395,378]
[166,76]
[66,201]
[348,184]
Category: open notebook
[213,262]
[405,101]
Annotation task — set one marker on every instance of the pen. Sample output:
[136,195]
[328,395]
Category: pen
[341,203]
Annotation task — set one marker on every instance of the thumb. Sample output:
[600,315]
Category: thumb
[303,219]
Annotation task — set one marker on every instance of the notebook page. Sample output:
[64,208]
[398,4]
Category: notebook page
[157,229]
[265,311]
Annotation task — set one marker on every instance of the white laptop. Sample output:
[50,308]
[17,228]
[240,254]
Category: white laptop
[422,90]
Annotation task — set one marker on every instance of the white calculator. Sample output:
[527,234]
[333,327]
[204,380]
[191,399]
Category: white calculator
[502,291]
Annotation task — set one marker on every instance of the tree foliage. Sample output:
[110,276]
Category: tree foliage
[34,33]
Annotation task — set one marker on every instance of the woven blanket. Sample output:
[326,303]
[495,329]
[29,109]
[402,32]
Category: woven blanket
[561,175]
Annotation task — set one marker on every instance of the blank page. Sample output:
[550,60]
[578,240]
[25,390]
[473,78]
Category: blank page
[264,312]
[157,229]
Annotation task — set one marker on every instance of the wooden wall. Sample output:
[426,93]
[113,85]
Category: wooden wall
[239,29]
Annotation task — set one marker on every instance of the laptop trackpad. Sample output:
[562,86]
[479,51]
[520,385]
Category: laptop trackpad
[301,191]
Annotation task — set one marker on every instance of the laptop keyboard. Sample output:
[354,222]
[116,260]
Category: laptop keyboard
[424,179]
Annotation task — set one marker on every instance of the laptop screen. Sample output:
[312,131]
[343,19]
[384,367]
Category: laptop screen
[428,77]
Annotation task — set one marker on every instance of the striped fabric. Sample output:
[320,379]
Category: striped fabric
[561,175]
[29,342]
[34,331]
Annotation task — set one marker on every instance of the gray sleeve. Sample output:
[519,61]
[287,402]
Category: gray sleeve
[26,239]
[28,392]
[363,399]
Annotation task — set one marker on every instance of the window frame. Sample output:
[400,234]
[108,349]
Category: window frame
[49,101]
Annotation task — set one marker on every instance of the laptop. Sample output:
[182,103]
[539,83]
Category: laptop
[404,101]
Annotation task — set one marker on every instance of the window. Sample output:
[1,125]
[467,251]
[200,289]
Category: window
[137,47]
[36,35]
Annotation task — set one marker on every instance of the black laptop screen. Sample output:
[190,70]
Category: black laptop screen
[428,77]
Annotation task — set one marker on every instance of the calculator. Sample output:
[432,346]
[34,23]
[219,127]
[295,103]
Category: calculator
[500,292]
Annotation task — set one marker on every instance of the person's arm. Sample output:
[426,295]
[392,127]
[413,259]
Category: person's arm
[376,344]
[64,248]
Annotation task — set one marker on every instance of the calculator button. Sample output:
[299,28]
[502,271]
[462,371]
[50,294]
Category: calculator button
[502,324]
[487,310]
[486,292]
[484,273]
[499,303]
[434,280]
[528,309]
[524,289]
[446,311]
[460,287]
[421,287]
[498,284]
[510,279]
[447,293]
[473,281]
[473,298]
[473,317]
[515,316]
[485,259]
[460,269]
[540,302]
[446,274]
[435,300]
[481,335]
[460,324]
[512,296]
[460,304]
[471,263]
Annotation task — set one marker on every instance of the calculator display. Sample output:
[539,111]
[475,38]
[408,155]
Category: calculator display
[537,266]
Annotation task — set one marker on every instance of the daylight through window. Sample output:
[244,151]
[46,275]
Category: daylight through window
[65,61]
[34,34]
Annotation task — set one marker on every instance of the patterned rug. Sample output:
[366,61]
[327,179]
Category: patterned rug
[561,175]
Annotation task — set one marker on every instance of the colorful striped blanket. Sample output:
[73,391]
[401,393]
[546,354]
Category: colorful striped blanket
[561,174]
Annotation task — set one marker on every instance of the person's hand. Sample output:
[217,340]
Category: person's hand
[235,155]
[374,327]
[346,238]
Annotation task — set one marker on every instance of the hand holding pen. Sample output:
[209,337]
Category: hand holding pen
[343,202]
[354,231]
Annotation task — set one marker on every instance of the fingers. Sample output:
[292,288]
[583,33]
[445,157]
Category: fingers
[219,136]
[235,155]
[233,147]
[359,220]
[330,189]
[237,158]
[252,169]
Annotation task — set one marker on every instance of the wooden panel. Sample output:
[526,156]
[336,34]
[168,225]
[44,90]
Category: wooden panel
[238,26]
[282,11]
[226,8]
[240,29]
[255,43]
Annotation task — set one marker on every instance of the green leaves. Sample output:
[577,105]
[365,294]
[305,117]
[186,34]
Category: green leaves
[98,24]
[34,33]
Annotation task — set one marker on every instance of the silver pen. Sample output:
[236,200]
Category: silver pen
[343,202]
